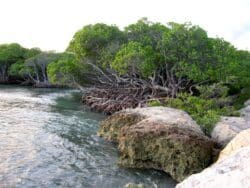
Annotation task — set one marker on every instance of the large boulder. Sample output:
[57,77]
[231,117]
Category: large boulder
[230,172]
[160,138]
[228,127]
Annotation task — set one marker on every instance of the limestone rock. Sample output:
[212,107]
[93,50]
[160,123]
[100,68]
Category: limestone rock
[228,127]
[241,140]
[110,128]
[160,138]
[230,172]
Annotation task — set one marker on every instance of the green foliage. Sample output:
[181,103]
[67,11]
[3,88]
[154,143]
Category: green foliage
[173,54]
[155,102]
[12,57]
[171,59]
[146,32]
[183,44]
[242,97]
[92,41]
[240,69]
[206,112]
[32,52]
[203,111]
[36,66]
[193,55]
[65,71]
[9,54]
[216,90]
[16,69]
[134,58]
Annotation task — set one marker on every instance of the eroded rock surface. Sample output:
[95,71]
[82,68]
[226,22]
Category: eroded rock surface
[230,172]
[160,138]
[111,127]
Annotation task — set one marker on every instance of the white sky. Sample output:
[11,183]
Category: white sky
[51,24]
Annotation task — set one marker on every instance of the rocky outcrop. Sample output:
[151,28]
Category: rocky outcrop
[231,170]
[111,127]
[239,141]
[160,138]
[228,127]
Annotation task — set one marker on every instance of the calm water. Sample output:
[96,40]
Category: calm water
[48,139]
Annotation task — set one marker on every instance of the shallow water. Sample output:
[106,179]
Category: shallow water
[48,139]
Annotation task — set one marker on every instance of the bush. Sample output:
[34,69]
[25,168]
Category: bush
[216,90]
[155,103]
[206,112]
[242,97]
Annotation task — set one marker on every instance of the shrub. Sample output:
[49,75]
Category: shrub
[216,90]
[242,97]
[206,112]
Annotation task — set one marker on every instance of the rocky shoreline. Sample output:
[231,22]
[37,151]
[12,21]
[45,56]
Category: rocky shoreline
[231,170]
[170,140]
[160,138]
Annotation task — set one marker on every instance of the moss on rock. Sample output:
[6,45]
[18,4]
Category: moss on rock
[160,138]
[179,152]
[111,127]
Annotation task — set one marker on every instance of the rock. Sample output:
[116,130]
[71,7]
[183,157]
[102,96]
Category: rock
[110,128]
[247,103]
[232,169]
[227,128]
[230,172]
[161,138]
[239,141]
[245,112]
[133,185]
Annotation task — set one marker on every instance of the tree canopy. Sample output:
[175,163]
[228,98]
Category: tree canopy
[9,54]
[166,59]
[126,68]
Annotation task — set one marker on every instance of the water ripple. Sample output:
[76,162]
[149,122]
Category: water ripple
[47,139]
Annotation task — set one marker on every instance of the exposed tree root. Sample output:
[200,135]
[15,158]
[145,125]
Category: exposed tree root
[114,99]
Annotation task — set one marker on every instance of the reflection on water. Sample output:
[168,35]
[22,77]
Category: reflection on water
[48,139]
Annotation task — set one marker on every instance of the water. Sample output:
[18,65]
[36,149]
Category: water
[48,139]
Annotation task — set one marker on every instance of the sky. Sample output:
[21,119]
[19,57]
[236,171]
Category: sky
[51,24]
